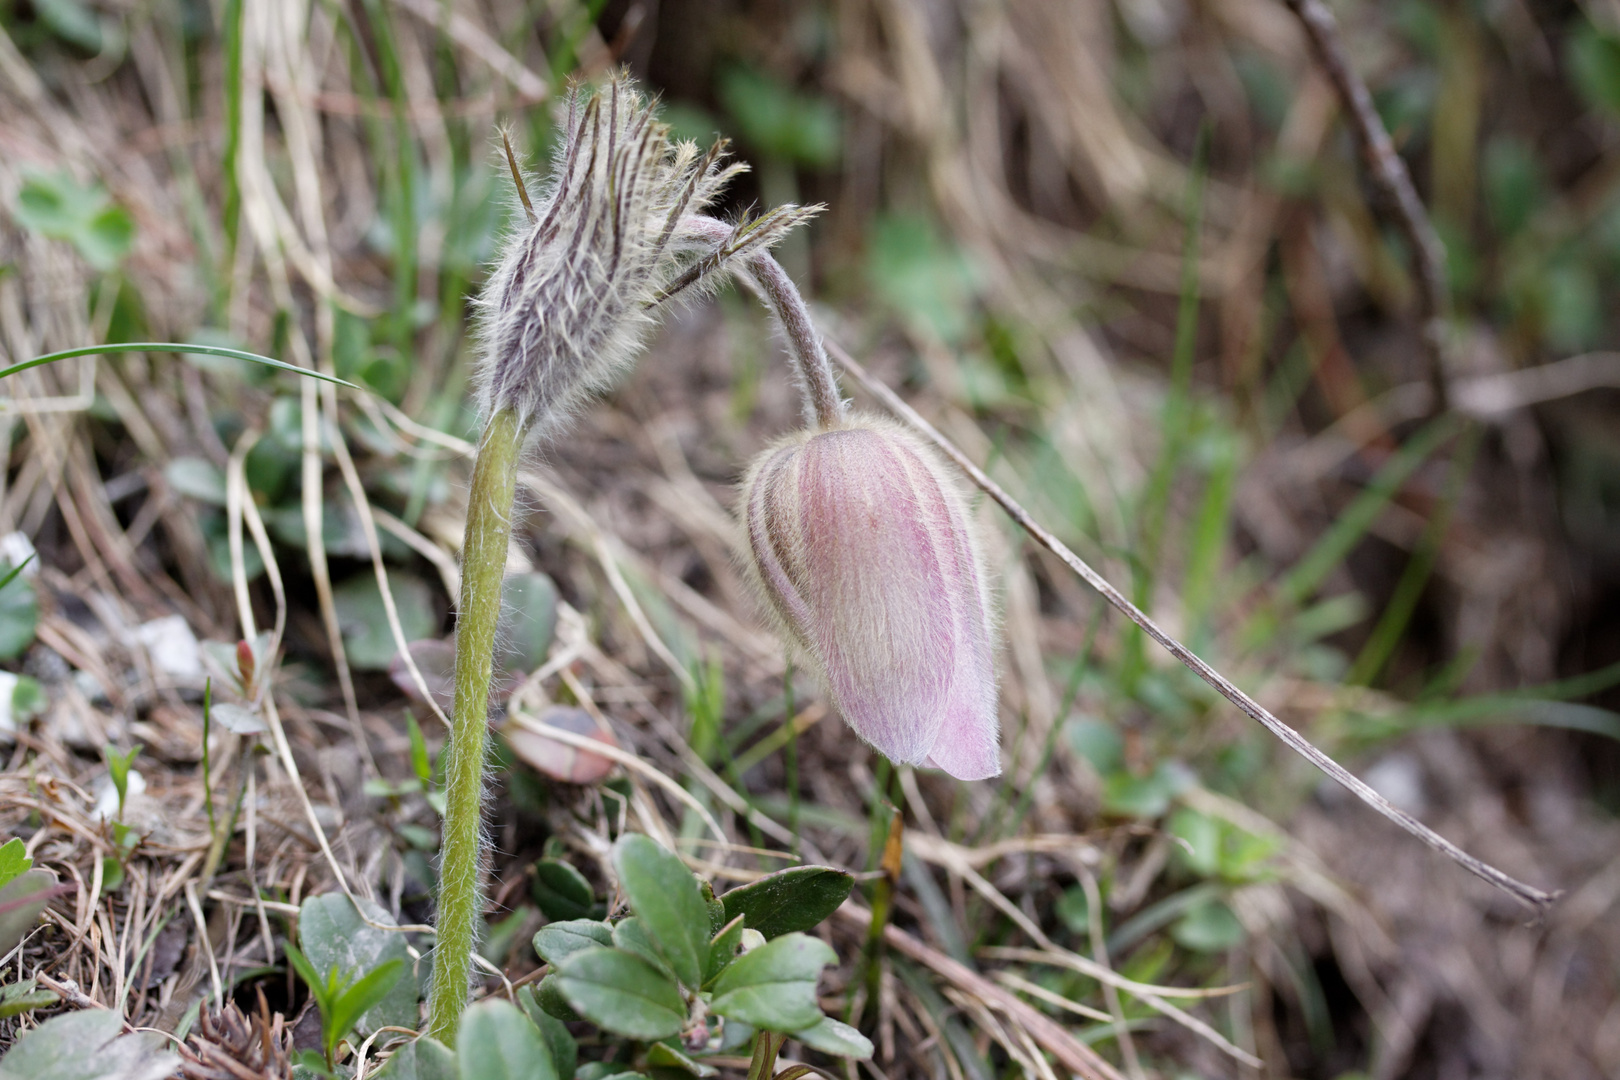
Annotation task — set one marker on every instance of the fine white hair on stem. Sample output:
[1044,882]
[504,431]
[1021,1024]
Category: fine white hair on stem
[570,301]
[823,403]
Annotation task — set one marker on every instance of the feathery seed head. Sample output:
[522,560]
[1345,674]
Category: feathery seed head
[862,544]
[569,303]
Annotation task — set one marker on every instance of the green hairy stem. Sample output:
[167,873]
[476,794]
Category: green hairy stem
[483,569]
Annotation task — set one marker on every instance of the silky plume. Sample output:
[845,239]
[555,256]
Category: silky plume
[573,295]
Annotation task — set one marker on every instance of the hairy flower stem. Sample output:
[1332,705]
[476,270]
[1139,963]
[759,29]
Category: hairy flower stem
[816,377]
[483,569]
[823,402]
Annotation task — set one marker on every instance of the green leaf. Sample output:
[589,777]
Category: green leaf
[621,992]
[723,949]
[56,205]
[631,935]
[663,1055]
[19,613]
[364,993]
[774,986]
[197,478]
[922,276]
[1594,61]
[27,699]
[1074,909]
[107,237]
[783,124]
[364,618]
[318,987]
[1097,741]
[717,910]
[1513,183]
[86,1045]
[118,764]
[836,1038]
[797,898]
[14,860]
[665,896]
[1209,927]
[74,23]
[21,997]
[497,1042]
[1200,837]
[421,764]
[10,574]
[550,998]
[557,941]
[336,938]
[21,902]
[564,1049]
[424,1059]
[562,891]
[1125,795]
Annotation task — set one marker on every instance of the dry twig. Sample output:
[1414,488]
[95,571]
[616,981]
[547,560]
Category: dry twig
[1389,173]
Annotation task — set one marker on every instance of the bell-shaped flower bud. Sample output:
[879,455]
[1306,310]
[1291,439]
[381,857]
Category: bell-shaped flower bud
[862,544]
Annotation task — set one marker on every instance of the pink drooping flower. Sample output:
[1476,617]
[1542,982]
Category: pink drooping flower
[863,545]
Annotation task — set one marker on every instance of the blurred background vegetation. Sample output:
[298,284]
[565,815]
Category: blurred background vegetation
[1124,253]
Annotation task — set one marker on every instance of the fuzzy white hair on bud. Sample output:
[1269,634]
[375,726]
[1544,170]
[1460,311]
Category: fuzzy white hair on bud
[860,539]
[571,300]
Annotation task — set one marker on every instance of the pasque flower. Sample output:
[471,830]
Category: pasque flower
[864,549]
[564,313]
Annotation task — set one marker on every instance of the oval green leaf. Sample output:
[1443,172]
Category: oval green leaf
[774,986]
[424,1059]
[797,898]
[497,1042]
[664,1056]
[556,942]
[335,936]
[836,1038]
[665,896]
[621,992]
[564,1049]
[631,936]
[562,891]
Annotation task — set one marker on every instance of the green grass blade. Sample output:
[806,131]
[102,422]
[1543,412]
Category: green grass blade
[359,996]
[1403,601]
[1358,517]
[233,124]
[172,347]
[15,570]
[1547,705]
[400,181]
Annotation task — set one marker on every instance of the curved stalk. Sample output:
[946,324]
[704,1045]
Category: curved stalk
[483,569]
[824,404]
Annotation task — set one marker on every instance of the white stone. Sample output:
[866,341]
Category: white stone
[172,647]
